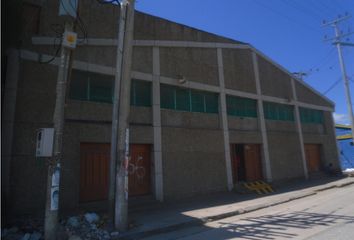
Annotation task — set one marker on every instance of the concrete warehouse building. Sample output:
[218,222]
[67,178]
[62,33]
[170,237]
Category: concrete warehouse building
[206,112]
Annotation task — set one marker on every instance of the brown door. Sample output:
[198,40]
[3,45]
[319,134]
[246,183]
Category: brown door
[94,162]
[313,157]
[253,162]
[139,170]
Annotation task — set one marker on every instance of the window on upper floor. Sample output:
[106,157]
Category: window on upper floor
[189,100]
[140,93]
[95,87]
[88,86]
[308,115]
[276,111]
[241,107]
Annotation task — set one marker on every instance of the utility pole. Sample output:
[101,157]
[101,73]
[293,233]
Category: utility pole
[116,94]
[337,42]
[120,136]
[54,168]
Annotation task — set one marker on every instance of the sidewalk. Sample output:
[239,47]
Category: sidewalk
[165,217]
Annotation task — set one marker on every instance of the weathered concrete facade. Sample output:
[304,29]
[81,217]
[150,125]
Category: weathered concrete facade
[190,150]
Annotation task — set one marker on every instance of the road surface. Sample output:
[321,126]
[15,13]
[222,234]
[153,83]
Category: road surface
[326,215]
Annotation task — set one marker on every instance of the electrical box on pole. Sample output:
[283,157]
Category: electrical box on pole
[44,145]
[69,39]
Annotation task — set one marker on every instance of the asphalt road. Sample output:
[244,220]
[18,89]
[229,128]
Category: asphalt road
[326,215]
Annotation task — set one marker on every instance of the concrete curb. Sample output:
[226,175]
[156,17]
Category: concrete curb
[201,221]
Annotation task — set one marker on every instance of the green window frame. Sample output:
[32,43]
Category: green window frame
[308,115]
[88,86]
[241,107]
[276,111]
[182,99]
[140,93]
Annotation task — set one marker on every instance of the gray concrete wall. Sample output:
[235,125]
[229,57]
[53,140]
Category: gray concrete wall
[306,95]
[284,150]
[172,118]
[34,110]
[238,70]
[280,126]
[244,137]
[285,155]
[101,22]
[313,128]
[243,123]
[192,154]
[154,28]
[195,64]
[274,82]
[193,162]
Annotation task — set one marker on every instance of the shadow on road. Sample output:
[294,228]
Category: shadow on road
[279,225]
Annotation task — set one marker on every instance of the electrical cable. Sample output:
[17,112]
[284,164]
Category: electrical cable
[55,55]
[79,22]
[323,62]
[299,7]
[332,86]
[286,16]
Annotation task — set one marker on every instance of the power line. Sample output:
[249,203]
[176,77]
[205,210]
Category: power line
[286,16]
[317,5]
[324,61]
[303,9]
[329,8]
[339,5]
[332,86]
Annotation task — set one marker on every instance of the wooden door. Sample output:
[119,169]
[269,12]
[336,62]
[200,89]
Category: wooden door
[313,157]
[139,170]
[253,162]
[94,162]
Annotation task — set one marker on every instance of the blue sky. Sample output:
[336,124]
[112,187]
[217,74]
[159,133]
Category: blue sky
[288,31]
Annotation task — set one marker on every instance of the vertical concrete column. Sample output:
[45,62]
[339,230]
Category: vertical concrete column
[156,109]
[8,118]
[265,148]
[299,129]
[224,122]
[330,129]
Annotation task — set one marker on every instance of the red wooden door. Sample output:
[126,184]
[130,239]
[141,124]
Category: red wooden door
[253,162]
[139,170]
[313,158]
[94,162]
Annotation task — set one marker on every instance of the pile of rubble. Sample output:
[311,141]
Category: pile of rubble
[23,230]
[88,226]
[81,227]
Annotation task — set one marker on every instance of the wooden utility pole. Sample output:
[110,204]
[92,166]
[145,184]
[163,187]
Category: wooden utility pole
[120,135]
[54,168]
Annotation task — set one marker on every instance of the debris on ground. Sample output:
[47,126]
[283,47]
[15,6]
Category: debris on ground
[80,227]
[87,226]
[23,229]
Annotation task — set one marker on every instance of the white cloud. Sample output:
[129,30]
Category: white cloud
[341,118]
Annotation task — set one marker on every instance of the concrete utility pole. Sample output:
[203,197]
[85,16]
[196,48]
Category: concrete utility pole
[54,168]
[337,42]
[120,144]
[116,94]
